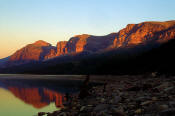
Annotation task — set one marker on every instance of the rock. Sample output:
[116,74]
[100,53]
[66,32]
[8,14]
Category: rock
[138,111]
[163,85]
[61,48]
[172,104]
[146,103]
[168,89]
[116,99]
[41,113]
[102,100]
[154,98]
[154,74]
[89,105]
[101,107]
[134,88]
[142,98]
[169,112]
[92,101]
[55,113]
[49,114]
[74,108]
[130,103]
[82,108]
[162,107]
[127,100]
[131,106]
[146,86]
[62,114]
[117,112]
[139,33]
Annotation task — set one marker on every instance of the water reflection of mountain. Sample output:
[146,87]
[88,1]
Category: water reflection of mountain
[39,93]
[38,97]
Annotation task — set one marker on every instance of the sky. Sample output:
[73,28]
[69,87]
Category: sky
[25,21]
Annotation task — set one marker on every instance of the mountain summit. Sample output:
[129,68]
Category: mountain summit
[41,43]
[31,52]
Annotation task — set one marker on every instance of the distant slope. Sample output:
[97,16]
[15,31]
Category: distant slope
[3,61]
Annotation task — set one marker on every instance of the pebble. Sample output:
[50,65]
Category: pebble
[41,113]
[154,98]
[101,107]
[162,107]
[146,103]
[169,112]
[138,111]
[116,99]
[116,112]
[125,98]
[102,100]
[62,114]
[82,108]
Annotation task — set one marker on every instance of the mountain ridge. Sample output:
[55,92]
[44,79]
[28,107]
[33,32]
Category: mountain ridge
[145,33]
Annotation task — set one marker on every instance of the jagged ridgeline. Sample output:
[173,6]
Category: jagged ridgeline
[138,48]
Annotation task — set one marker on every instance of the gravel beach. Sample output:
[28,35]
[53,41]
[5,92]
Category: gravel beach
[145,95]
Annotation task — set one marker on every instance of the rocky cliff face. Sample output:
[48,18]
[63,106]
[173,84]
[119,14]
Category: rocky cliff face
[90,43]
[132,35]
[60,49]
[145,32]
[31,52]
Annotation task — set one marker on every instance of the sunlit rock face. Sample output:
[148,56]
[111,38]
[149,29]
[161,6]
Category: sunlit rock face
[41,43]
[132,35]
[32,52]
[90,43]
[142,33]
[38,98]
[77,43]
[61,48]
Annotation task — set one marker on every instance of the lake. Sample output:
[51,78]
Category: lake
[26,95]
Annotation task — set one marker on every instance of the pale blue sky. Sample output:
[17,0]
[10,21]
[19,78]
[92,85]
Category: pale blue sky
[25,21]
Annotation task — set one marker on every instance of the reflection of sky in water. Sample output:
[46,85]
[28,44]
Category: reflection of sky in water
[13,106]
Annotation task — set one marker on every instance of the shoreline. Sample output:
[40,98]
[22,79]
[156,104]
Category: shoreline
[130,96]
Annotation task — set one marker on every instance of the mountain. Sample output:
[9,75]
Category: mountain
[32,52]
[3,61]
[59,50]
[125,45]
[160,59]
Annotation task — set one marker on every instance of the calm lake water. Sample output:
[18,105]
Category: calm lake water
[26,95]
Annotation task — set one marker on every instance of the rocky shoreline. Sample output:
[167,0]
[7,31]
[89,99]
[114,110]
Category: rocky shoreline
[129,96]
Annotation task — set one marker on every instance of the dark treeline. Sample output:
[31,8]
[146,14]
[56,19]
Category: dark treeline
[125,61]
